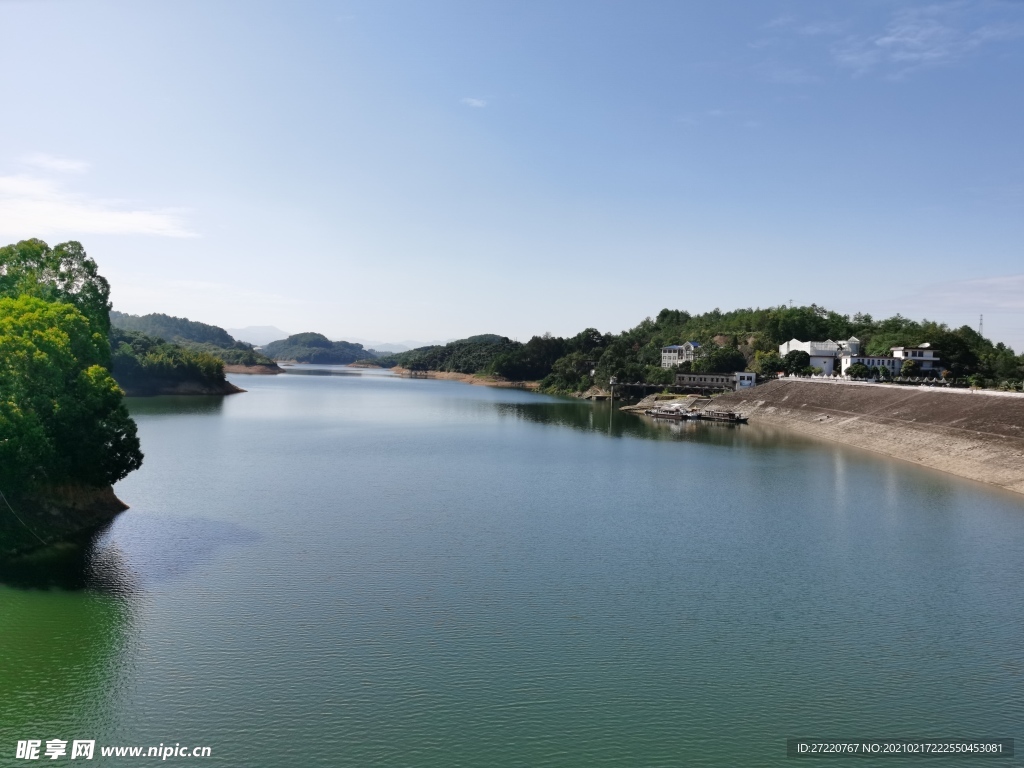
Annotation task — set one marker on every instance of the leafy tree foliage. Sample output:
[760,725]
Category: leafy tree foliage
[62,273]
[859,371]
[796,361]
[768,362]
[713,359]
[144,365]
[62,418]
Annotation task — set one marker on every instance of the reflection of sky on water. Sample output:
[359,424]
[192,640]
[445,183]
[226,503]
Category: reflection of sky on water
[374,565]
[176,405]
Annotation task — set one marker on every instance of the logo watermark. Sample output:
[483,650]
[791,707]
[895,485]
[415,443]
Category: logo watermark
[85,749]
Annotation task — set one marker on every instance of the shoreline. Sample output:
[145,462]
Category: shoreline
[254,370]
[952,431]
[55,516]
[466,378]
[181,388]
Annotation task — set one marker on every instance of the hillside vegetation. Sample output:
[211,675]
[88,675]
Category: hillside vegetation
[197,337]
[743,339]
[473,355]
[316,348]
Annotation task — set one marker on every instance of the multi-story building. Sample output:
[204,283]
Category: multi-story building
[739,380]
[823,354]
[926,357]
[678,353]
[888,362]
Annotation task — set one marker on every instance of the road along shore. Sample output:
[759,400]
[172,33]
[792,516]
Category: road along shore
[977,435]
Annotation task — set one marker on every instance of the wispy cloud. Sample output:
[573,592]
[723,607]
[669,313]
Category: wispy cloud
[918,38]
[31,206]
[47,162]
[475,103]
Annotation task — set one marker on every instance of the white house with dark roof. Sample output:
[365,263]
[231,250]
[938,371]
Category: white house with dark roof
[823,354]
[678,353]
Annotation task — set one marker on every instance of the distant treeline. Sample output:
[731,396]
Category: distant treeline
[192,335]
[476,354]
[743,339]
[144,365]
[316,348]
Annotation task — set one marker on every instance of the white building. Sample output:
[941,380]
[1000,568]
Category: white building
[734,381]
[926,358]
[888,362]
[823,354]
[678,353]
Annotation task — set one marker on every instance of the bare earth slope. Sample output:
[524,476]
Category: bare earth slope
[972,434]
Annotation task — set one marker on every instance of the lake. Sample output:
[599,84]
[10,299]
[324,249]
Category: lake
[357,569]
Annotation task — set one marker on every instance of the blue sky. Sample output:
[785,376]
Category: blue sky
[429,170]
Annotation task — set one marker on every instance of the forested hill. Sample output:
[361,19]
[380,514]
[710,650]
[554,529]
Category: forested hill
[195,336]
[170,328]
[316,348]
[473,355]
[743,339]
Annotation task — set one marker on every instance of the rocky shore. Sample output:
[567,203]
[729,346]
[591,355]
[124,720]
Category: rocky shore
[254,370]
[55,515]
[157,387]
[976,435]
[467,378]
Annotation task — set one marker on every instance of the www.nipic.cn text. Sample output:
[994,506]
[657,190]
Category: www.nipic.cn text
[85,749]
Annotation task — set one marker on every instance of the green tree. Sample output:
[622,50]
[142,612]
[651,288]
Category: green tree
[655,374]
[62,273]
[714,359]
[796,361]
[768,362]
[909,368]
[62,417]
[859,371]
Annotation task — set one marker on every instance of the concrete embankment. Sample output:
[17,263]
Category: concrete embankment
[971,434]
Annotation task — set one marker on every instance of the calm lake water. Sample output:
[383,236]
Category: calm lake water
[363,570]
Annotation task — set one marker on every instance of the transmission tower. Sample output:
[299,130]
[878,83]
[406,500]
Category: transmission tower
[981,325]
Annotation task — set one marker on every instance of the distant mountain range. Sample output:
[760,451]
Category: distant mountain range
[258,334]
[261,335]
[398,346]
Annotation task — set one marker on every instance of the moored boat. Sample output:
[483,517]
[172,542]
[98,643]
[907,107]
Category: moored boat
[730,417]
